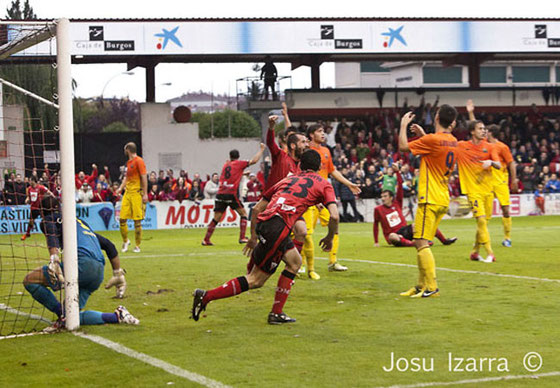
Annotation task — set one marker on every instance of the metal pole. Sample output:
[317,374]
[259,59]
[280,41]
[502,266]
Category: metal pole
[65,120]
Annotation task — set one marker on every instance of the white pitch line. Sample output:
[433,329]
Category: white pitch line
[19,312]
[474,381]
[451,270]
[155,362]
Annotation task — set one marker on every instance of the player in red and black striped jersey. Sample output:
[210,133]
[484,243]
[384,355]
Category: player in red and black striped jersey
[286,163]
[35,193]
[273,218]
[395,228]
[228,193]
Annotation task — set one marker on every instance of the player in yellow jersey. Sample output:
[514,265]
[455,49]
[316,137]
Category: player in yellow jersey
[135,197]
[437,152]
[475,159]
[316,135]
[501,179]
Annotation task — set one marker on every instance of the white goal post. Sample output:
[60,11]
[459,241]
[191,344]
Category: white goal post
[28,34]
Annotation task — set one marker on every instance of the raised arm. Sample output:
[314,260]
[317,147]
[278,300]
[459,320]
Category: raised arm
[403,139]
[287,122]
[270,137]
[470,110]
[257,156]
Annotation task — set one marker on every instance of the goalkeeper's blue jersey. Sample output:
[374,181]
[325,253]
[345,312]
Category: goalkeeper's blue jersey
[88,244]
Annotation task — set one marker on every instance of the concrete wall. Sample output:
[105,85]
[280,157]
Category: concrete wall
[166,144]
[367,99]
[12,134]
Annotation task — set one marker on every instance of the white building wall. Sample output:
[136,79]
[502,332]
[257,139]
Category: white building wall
[12,134]
[165,142]
[347,75]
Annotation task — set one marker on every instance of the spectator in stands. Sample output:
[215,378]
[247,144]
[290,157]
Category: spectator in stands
[166,194]
[553,185]
[211,187]
[85,194]
[102,180]
[153,193]
[97,194]
[16,192]
[254,189]
[527,178]
[347,198]
[82,178]
[196,194]
[162,179]
[179,190]
[152,179]
[539,200]
[454,187]
[369,189]
[111,194]
[390,180]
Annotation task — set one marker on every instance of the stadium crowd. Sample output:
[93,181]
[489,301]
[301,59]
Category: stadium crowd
[365,151]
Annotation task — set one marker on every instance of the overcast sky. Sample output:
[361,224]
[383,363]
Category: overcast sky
[221,77]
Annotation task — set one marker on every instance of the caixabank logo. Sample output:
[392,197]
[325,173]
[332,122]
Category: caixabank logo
[540,38]
[327,40]
[392,35]
[97,36]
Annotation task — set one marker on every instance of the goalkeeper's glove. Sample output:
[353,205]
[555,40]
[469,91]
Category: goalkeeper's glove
[54,271]
[118,281]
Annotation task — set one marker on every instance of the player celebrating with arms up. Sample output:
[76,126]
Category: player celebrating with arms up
[272,220]
[228,193]
[437,151]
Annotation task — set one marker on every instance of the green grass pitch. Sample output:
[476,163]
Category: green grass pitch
[348,324]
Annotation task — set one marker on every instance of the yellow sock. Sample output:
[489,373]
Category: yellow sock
[334,250]
[421,274]
[427,263]
[484,236]
[507,227]
[309,252]
[476,246]
[138,232]
[124,230]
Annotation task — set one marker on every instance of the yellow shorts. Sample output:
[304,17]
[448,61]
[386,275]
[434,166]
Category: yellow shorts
[501,192]
[312,214]
[426,222]
[481,204]
[132,207]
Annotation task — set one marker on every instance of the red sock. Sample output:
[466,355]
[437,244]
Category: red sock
[405,243]
[440,236]
[283,288]
[233,287]
[211,227]
[29,227]
[242,227]
[298,245]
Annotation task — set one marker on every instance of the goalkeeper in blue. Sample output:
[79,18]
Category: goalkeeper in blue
[91,265]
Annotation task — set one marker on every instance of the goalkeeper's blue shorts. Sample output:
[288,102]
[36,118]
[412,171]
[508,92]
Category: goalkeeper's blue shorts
[90,277]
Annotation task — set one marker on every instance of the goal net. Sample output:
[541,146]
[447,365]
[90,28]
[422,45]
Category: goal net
[36,154]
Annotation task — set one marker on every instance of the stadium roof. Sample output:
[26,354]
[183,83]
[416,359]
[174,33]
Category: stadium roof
[309,41]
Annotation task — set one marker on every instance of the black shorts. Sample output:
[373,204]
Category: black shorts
[35,213]
[223,201]
[406,232]
[274,241]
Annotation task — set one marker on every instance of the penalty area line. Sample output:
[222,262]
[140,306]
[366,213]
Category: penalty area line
[475,381]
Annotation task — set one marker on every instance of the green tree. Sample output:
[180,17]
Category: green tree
[236,123]
[37,78]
